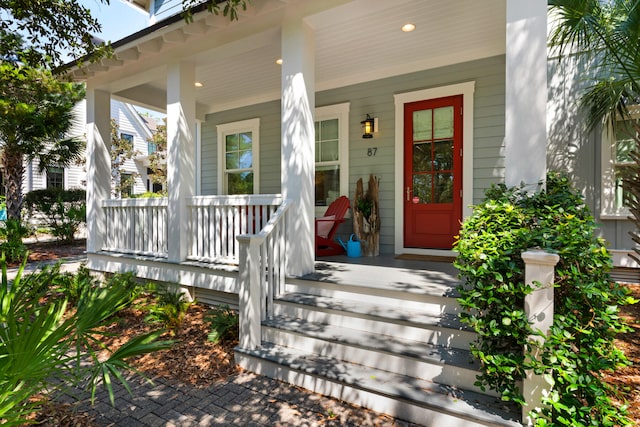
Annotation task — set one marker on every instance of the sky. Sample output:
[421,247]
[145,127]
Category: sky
[118,19]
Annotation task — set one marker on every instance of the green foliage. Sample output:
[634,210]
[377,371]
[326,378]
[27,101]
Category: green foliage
[12,232]
[45,347]
[122,150]
[224,324]
[51,26]
[73,286]
[230,8]
[148,195]
[169,307]
[158,159]
[64,210]
[581,345]
[36,113]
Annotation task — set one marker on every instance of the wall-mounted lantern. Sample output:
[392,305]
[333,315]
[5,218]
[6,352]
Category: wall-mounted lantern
[367,127]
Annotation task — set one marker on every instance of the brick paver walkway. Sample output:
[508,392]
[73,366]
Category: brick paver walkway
[243,400]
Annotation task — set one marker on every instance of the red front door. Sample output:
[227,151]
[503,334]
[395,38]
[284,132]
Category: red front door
[432,172]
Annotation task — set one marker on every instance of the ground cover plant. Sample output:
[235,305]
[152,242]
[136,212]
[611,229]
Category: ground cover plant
[580,349]
[46,345]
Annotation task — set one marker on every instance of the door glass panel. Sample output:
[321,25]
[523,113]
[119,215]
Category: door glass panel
[443,155]
[443,189]
[422,187]
[422,157]
[422,125]
[443,118]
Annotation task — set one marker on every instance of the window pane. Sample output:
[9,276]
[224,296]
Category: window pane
[443,191]
[317,150]
[55,177]
[232,161]
[623,148]
[317,128]
[232,142]
[329,151]
[422,125]
[443,156]
[245,141]
[422,157]
[327,184]
[422,187]
[443,118]
[329,129]
[621,173]
[245,159]
[240,183]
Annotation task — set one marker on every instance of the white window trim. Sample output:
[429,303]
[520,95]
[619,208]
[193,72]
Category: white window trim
[251,125]
[608,208]
[340,112]
[465,89]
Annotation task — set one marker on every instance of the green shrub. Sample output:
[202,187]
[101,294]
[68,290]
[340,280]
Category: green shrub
[44,347]
[12,233]
[581,345]
[169,307]
[64,210]
[224,324]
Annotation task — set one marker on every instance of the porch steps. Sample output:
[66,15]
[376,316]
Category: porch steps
[397,348]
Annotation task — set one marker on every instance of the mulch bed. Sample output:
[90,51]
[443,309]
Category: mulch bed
[196,361]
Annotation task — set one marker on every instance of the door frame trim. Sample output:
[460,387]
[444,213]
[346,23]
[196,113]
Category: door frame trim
[465,89]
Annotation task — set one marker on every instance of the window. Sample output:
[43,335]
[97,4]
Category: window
[238,160]
[55,177]
[126,184]
[332,154]
[617,164]
[127,137]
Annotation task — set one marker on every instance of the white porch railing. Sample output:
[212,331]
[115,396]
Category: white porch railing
[261,275]
[216,222]
[136,226]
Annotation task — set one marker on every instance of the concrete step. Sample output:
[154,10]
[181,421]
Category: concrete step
[437,329]
[436,363]
[413,288]
[401,396]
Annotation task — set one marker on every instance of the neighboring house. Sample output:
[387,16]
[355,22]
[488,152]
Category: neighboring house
[264,131]
[131,125]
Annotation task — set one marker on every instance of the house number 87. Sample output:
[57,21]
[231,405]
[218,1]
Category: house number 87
[372,151]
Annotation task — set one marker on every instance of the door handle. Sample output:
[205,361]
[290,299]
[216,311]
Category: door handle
[408,194]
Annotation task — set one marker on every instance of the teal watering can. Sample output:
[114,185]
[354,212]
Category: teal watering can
[352,247]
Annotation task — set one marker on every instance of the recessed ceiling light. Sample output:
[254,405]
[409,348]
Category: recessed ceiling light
[279,61]
[407,28]
[198,84]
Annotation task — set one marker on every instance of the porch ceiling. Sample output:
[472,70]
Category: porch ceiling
[356,41]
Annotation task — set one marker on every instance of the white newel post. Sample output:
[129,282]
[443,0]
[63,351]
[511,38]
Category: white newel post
[298,142]
[98,165]
[538,306]
[250,292]
[526,92]
[181,124]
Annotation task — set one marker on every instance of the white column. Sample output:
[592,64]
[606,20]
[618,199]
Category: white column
[526,92]
[538,306]
[181,154]
[98,165]
[298,142]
